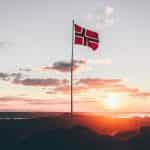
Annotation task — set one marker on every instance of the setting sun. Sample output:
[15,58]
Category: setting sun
[112,101]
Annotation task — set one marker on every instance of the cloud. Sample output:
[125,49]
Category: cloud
[17,98]
[122,88]
[65,66]
[101,17]
[19,79]
[10,76]
[113,85]
[59,66]
[50,102]
[108,85]
[66,89]
[105,17]
[3,44]
[40,82]
[131,91]
[7,99]
[25,69]
[98,82]
[140,94]
[4,76]
[83,85]
[51,92]
[84,90]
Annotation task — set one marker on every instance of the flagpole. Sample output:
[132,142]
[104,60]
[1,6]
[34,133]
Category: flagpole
[72,58]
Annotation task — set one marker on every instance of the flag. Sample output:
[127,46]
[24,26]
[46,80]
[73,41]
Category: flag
[86,37]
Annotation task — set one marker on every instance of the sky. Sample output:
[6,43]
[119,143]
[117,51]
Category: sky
[35,53]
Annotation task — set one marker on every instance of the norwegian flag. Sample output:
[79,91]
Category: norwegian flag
[86,37]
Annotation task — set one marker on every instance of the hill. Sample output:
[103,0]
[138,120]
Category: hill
[85,132]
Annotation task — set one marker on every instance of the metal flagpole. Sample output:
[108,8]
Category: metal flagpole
[72,58]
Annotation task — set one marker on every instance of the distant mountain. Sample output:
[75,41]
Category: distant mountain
[142,140]
[126,135]
[84,132]
[75,138]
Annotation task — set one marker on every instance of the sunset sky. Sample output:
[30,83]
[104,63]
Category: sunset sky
[35,53]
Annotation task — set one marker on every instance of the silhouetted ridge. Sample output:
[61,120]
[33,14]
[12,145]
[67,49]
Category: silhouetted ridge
[58,133]
[75,138]
[142,140]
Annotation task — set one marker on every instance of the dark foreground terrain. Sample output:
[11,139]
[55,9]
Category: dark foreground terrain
[57,133]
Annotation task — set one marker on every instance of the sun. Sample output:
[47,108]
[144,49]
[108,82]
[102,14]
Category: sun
[112,101]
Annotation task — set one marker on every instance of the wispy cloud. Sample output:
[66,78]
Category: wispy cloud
[33,101]
[20,79]
[66,89]
[40,82]
[3,44]
[101,17]
[98,82]
[25,69]
[81,85]
[108,85]
[10,76]
[140,94]
[65,66]
[113,85]
[85,84]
